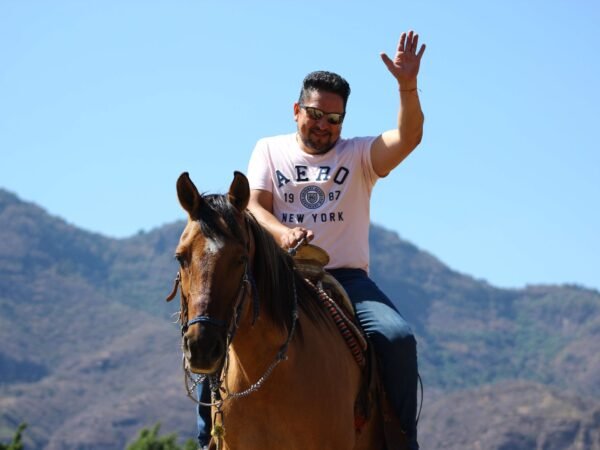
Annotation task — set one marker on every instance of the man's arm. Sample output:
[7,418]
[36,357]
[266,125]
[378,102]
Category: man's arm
[261,206]
[391,147]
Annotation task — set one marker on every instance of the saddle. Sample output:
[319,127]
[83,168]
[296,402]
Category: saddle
[311,260]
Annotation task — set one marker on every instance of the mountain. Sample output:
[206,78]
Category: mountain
[77,363]
[513,415]
[89,353]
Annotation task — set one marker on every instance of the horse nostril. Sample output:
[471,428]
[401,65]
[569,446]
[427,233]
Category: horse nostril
[215,351]
[203,349]
[186,345]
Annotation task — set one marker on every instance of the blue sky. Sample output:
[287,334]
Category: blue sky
[104,104]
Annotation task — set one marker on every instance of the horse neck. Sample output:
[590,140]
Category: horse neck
[254,347]
[257,343]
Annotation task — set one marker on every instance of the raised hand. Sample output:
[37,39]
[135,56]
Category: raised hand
[405,65]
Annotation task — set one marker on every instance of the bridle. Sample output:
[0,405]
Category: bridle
[247,280]
[217,379]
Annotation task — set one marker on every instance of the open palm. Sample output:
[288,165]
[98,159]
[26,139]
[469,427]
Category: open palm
[405,65]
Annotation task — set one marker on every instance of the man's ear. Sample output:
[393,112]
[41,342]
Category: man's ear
[296,111]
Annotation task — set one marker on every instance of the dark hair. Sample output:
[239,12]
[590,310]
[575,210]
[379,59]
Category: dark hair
[324,81]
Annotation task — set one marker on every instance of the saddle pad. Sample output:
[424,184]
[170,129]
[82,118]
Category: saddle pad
[311,260]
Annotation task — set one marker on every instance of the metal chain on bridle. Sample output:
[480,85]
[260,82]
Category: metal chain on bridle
[217,380]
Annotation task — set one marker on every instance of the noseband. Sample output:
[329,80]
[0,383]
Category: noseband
[216,380]
[247,280]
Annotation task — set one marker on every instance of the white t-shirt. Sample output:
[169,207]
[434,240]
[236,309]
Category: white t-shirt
[328,194]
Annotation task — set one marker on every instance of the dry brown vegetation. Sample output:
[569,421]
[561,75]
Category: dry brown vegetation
[89,356]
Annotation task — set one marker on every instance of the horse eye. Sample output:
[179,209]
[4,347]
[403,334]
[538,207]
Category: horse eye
[180,259]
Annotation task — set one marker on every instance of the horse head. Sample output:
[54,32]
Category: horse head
[213,254]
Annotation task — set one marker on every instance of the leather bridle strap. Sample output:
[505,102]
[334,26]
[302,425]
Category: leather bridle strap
[247,280]
[207,320]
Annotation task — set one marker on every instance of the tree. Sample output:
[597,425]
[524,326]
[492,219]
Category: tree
[16,443]
[148,439]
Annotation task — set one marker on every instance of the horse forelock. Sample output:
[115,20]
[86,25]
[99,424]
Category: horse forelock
[220,219]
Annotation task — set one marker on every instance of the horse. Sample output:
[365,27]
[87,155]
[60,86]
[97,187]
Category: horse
[286,378]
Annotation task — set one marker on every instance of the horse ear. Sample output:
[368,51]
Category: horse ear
[189,197]
[239,191]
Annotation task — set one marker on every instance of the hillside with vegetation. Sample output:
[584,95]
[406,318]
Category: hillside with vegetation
[89,352]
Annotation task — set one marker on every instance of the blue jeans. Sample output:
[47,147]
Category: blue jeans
[203,416]
[394,343]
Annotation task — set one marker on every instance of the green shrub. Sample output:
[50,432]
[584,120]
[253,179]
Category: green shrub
[16,443]
[148,439]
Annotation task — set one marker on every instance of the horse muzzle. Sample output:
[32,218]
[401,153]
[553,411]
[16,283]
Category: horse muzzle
[204,348]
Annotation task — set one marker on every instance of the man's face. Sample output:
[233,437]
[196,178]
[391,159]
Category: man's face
[318,136]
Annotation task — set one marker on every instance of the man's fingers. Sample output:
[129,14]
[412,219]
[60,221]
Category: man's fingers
[409,42]
[387,61]
[401,42]
[298,234]
[421,51]
[414,44]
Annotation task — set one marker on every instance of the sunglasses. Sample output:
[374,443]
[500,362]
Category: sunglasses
[317,114]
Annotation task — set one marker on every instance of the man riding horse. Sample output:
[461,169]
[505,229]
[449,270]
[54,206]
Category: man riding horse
[314,185]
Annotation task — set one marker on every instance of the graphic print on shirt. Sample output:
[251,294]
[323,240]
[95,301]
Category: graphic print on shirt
[312,197]
[312,188]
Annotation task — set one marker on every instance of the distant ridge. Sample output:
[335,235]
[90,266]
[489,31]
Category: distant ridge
[89,353]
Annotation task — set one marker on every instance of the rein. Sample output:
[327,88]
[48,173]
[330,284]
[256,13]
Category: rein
[217,381]
[248,283]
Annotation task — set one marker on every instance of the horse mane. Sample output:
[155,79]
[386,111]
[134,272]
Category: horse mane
[276,276]
[272,267]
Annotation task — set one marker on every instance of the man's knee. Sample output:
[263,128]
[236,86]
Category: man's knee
[406,345]
[400,342]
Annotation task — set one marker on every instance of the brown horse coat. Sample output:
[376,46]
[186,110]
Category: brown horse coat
[308,400]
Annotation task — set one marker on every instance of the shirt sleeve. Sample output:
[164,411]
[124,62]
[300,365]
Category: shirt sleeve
[370,175]
[259,175]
